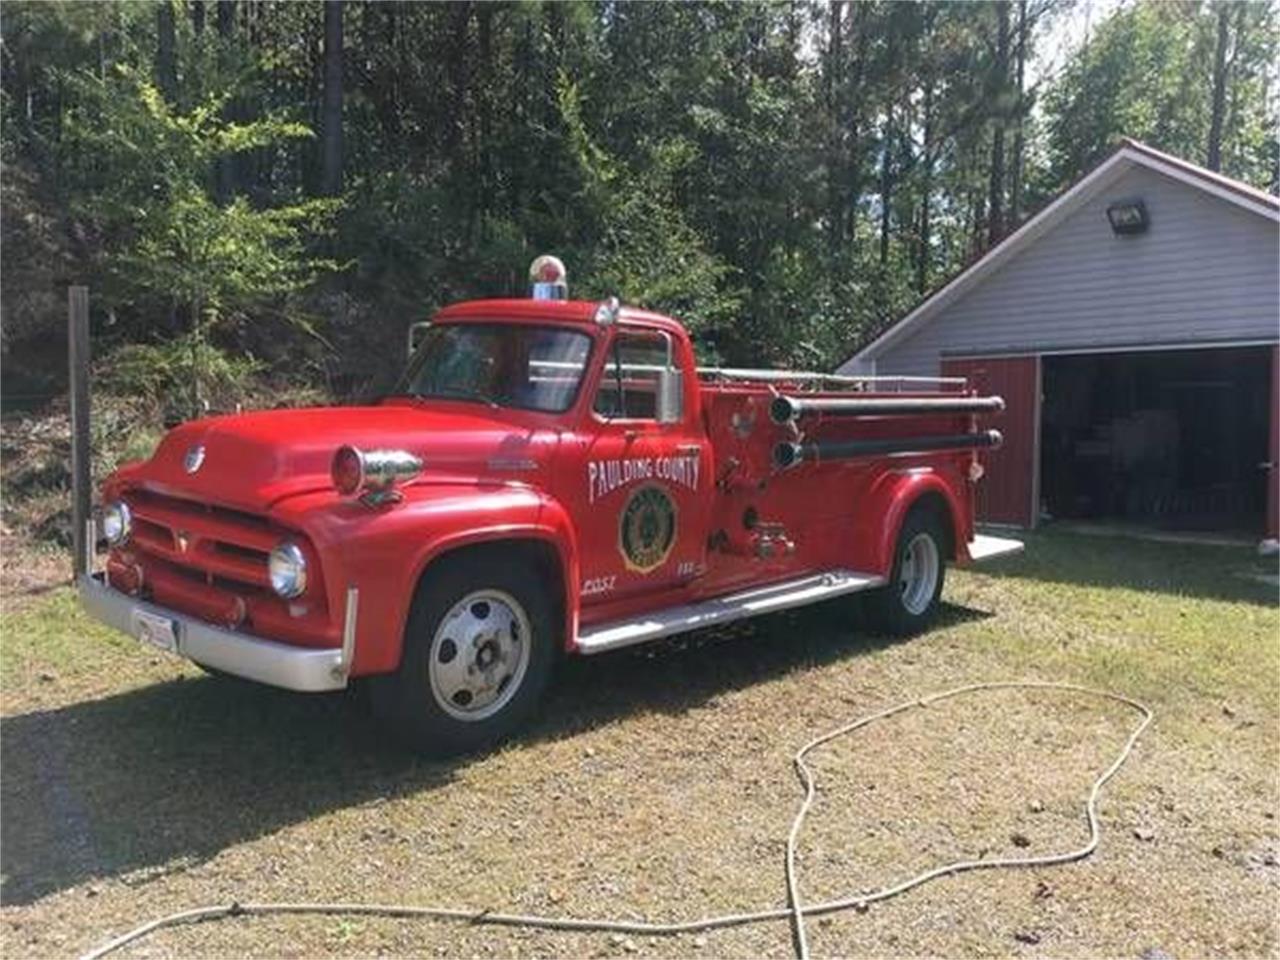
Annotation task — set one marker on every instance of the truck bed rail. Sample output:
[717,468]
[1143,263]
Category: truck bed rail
[820,381]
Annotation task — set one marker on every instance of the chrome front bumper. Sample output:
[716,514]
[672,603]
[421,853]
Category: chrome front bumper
[277,664]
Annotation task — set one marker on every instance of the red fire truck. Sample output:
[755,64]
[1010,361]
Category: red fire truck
[549,477]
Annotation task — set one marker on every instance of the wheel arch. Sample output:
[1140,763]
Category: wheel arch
[931,501]
[923,491]
[538,548]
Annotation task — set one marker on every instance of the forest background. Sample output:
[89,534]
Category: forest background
[262,196]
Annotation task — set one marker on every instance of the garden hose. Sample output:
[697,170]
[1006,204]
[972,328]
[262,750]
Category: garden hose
[796,910]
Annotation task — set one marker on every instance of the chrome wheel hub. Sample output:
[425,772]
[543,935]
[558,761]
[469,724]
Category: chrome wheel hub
[479,655]
[918,573]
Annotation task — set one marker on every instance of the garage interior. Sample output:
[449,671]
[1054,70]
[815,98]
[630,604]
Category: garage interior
[1170,440]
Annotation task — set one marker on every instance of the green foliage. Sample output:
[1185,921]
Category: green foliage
[143,171]
[155,374]
[1148,74]
[642,249]
[785,176]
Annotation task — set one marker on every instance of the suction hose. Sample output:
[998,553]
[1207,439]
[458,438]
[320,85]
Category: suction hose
[796,910]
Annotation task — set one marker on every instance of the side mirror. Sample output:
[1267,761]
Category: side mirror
[670,398]
[416,332]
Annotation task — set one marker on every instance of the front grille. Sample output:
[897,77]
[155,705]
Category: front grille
[211,562]
[223,545]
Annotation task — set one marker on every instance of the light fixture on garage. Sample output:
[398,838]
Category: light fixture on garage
[1128,216]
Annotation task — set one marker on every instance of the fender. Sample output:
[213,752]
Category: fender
[540,518]
[384,552]
[891,498]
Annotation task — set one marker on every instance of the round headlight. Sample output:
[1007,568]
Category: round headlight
[117,522]
[288,570]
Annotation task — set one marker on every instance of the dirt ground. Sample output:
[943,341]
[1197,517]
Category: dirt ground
[658,784]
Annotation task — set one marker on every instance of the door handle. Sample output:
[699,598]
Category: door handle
[689,448]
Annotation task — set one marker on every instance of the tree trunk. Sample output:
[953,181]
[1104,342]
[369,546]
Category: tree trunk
[851,176]
[886,153]
[926,192]
[197,18]
[331,121]
[456,63]
[1233,95]
[485,92]
[226,27]
[226,18]
[886,185]
[1019,136]
[1213,155]
[977,219]
[995,199]
[835,159]
[384,81]
[166,51]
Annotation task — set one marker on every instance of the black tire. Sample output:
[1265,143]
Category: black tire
[405,703]
[889,608]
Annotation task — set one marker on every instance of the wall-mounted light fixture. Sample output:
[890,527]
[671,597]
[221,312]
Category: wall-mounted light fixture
[1128,216]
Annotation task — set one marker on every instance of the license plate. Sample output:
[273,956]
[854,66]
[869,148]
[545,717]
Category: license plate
[158,631]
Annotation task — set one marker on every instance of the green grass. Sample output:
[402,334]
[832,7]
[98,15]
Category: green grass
[1158,620]
[133,784]
[50,650]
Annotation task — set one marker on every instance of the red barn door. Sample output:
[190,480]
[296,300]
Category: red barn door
[1010,490]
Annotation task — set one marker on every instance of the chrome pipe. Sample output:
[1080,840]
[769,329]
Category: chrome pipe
[787,455]
[785,409]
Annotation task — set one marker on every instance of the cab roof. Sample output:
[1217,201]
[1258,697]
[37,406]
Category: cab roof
[578,313]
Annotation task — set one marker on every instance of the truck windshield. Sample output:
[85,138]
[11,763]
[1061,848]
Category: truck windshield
[501,364]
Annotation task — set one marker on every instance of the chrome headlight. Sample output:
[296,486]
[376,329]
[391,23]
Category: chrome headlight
[117,523]
[373,471]
[287,568]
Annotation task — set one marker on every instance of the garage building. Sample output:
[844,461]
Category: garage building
[1132,328]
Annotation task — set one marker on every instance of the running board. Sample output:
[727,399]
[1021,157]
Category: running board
[983,547]
[598,638]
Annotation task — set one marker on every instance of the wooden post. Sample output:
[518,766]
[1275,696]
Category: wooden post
[78,376]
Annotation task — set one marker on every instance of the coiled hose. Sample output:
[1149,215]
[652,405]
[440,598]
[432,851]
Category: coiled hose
[796,910]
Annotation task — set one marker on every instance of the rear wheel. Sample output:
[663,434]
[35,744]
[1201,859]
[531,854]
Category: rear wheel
[909,602]
[478,651]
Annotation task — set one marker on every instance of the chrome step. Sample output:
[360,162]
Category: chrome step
[600,637]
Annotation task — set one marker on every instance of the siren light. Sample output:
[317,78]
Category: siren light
[547,279]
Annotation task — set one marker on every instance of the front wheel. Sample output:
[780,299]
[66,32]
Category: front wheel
[909,602]
[477,656]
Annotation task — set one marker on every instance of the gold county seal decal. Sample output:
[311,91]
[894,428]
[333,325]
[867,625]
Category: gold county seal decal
[647,529]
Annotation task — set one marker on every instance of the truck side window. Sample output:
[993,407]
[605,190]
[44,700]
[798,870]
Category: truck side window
[629,388]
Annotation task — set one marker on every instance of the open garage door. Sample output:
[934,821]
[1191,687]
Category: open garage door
[1169,440]
[1272,466]
[1008,492]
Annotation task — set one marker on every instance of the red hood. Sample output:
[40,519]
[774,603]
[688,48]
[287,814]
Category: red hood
[252,460]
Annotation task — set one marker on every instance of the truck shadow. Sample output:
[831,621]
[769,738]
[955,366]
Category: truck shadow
[150,782]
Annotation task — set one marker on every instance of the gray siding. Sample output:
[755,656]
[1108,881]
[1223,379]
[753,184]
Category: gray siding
[1205,271]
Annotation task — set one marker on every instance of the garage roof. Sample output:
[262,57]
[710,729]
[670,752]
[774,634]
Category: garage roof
[1128,154]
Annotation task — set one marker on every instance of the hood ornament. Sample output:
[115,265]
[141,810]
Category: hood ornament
[194,457]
